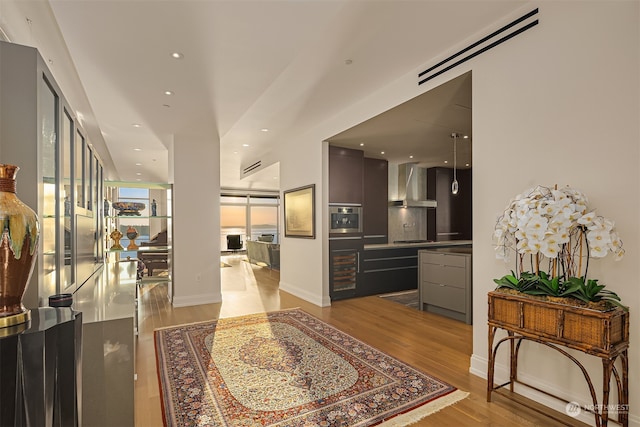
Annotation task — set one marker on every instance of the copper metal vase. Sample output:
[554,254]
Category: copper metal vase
[17,249]
[132,233]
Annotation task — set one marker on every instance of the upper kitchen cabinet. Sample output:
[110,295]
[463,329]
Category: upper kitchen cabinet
[346,168]
[451,220]
[375,218]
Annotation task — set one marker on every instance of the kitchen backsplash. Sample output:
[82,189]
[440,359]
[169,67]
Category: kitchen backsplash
[407,224]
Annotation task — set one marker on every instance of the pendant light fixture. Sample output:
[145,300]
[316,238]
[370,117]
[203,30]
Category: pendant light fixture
[454,184]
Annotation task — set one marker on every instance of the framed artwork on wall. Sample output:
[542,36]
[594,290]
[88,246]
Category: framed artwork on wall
[299,212]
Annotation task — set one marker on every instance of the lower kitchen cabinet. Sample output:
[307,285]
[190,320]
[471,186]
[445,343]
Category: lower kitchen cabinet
[445,284]
[389,270]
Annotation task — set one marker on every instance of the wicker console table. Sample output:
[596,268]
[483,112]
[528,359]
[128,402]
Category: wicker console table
[601,334]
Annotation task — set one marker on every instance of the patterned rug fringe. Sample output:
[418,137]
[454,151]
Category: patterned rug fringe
[425,410]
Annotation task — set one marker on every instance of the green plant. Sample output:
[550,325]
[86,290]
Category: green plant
[554,286]
[591,291]
[574,287]
[526,283]
[533,284]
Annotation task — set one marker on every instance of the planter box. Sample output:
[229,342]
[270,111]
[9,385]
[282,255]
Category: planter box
[600,333]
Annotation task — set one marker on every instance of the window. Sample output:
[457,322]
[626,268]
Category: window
[249,216]
[139,195]
[233,220]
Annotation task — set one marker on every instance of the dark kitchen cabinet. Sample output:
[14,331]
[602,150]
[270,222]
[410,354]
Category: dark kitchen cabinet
[344,266]
[375,203]
[389,270]
[451,220]
[346,168]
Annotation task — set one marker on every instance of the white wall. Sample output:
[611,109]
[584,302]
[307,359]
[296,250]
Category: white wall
[558,104]
[301,272]
[196,220]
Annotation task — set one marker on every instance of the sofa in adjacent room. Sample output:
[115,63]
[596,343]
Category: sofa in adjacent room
[260,252]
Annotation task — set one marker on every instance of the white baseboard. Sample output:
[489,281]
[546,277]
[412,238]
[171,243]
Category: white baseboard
[479,367]
[307,296]
[196,299]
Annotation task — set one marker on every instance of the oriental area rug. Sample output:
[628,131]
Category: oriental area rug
[287,368]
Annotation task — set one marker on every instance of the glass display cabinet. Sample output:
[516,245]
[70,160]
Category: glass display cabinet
[144,222]
[60,175]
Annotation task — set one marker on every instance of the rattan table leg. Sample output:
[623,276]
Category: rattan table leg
[513,361]
[623,414]
[607,367]
[492,362]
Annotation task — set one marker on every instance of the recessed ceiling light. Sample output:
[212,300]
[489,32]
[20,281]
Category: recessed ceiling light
[411,157]
[362,144]
[382,152]
[245,145]
[177,55]
[136,125]
[466,137]
[138,164]
[446,161]
[467,164]
[138,173]
[264,130]
[235,152]
[138,179]
[168,92]
[137,149]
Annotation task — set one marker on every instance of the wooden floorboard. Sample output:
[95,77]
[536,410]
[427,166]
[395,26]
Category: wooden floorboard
[436,345]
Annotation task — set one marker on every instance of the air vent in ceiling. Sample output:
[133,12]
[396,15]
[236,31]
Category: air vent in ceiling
[507,32]
[247,170]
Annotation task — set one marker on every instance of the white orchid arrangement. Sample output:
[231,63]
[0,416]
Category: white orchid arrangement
[557,229]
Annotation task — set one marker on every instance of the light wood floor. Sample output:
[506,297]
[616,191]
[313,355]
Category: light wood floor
[433,344]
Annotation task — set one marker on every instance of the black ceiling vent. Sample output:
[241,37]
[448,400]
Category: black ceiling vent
[251,167]
[505,33]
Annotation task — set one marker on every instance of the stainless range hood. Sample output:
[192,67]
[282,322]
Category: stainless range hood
[412,188]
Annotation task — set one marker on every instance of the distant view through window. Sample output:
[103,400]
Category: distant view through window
[139,195]
[248,216]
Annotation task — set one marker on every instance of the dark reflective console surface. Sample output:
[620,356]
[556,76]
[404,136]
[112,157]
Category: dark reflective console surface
[40,370]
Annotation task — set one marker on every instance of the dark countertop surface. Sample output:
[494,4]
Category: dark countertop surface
[451,250]
[466,244]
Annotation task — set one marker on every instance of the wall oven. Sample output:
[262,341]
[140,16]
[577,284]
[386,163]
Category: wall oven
[345,219]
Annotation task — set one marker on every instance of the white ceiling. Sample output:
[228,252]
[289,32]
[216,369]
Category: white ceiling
[419,130]
[250,65]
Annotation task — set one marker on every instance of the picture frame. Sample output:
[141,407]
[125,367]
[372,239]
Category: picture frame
[300,212]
